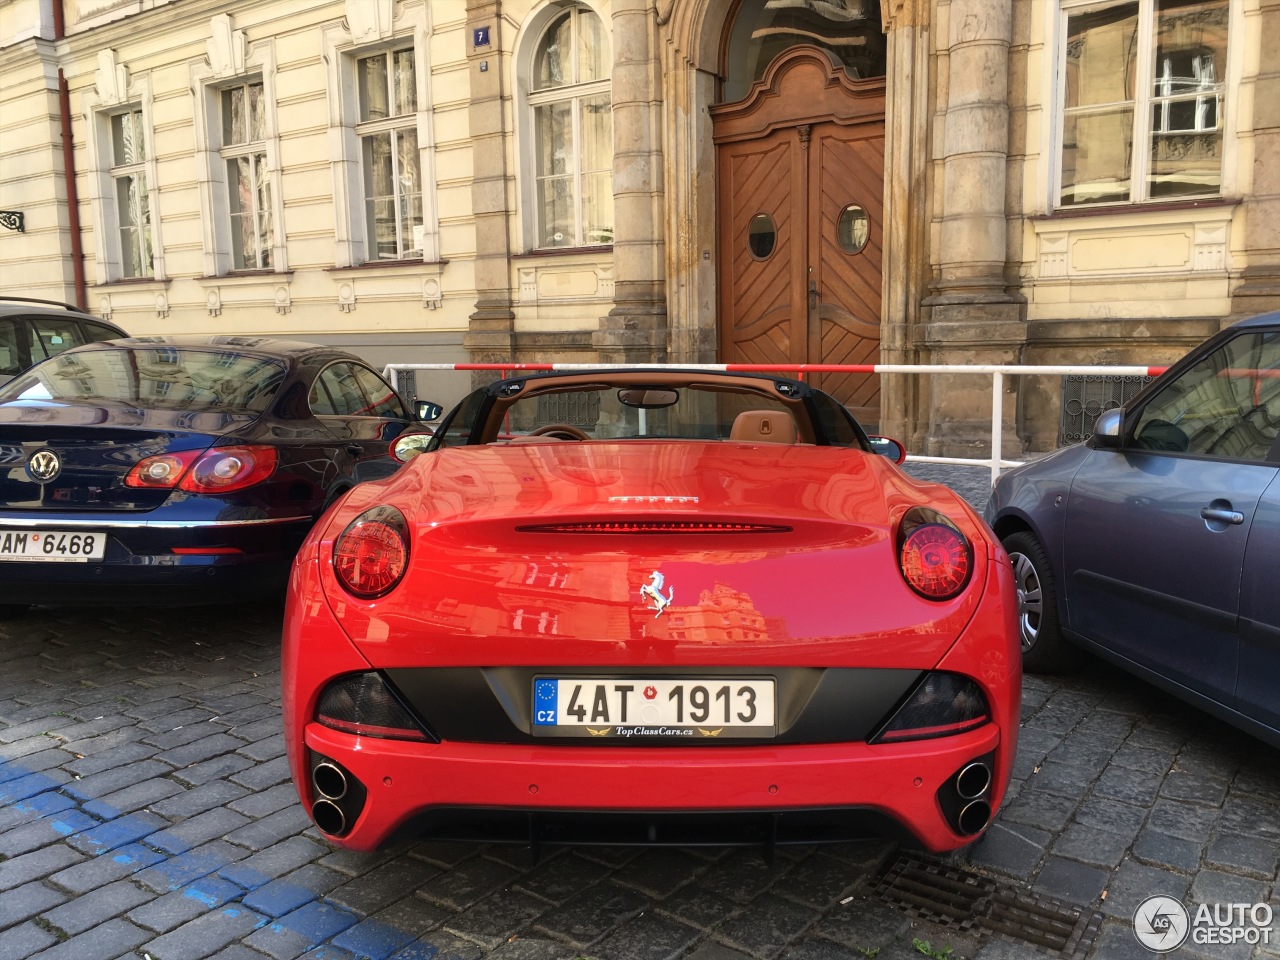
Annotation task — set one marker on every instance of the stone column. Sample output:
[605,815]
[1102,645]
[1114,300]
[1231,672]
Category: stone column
[905,212]
[635,330]
[490,336]
[972,317]
[1259,288]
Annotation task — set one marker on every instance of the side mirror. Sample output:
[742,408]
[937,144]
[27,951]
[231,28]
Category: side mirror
[427,411]
[1109,430]
[888,447]
[409,445]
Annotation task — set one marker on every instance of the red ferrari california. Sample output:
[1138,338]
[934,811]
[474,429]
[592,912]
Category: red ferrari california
[664,605]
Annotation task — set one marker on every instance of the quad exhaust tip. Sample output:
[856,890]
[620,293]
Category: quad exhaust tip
[973,781]
[974,817]
[328,816]
[330,781]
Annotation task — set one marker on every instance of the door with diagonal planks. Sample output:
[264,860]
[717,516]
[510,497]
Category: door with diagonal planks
[800,167]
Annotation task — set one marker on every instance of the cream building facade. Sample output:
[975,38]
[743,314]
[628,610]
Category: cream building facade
[768,181]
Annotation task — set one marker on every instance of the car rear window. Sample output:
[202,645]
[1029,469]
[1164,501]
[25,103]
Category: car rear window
[155,376]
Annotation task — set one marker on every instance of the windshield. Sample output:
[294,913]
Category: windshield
[665,409]
[186,378]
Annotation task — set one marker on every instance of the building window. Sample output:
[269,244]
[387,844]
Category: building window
[572,121]
[244,152]
[132,202]
[390,161]
[1143,85]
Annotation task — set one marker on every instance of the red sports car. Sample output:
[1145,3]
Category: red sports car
[664,605]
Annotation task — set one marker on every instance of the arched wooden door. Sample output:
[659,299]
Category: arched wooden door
[800,187]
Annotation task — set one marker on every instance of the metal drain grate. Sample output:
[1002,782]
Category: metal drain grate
[964,900]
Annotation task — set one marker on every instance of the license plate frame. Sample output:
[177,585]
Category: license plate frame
[654,709]
[23,545]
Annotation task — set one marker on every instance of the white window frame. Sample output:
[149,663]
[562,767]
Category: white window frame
[354,246]
[135,95]
[531,38]
[1058,13]
[394,125]
[212,154]
[255,151]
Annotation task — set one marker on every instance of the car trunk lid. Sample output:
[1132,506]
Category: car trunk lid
[93,447]
[627,551]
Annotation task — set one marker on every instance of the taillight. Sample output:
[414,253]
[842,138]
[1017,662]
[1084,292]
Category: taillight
[372,553]
[941,705]
[935,557]
[361,704]
[217,470]
[162,472]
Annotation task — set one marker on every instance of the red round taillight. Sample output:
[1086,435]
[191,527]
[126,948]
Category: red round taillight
[372,553]
[936,559]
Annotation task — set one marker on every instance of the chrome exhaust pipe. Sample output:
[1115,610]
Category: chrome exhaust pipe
[329,817]
[974,817]
[330,781]
[973,781]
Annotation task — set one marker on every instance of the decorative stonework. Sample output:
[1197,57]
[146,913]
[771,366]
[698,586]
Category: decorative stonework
[1053,255]
[284,302]
[370,20]
[111,80]
[897,14]
[1210,246]
[432,295]
[346,297]
[604,280]
[213,302]
[528,284]
[227,47]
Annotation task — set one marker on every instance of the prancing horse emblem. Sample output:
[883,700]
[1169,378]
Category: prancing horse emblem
[652,592]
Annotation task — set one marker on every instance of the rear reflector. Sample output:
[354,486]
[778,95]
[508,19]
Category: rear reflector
[654,526]
[941,705]
[361,704]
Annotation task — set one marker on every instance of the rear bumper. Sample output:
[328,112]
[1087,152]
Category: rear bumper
[397,787]
[803,793]
[247,559]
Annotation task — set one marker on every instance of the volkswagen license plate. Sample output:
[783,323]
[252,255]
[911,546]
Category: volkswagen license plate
[52,545]
[659,708]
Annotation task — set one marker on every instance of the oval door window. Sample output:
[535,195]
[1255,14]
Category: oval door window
[854,229]
[761,236]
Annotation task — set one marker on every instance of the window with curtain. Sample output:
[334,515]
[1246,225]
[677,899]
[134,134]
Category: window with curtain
[1142,86]
[390,162]
[133,204]
[572,121]
[244,134]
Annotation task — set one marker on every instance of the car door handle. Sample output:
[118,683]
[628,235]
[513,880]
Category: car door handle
[1222,515]
[355,449]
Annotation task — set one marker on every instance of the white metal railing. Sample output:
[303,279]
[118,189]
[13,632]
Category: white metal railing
[996,372]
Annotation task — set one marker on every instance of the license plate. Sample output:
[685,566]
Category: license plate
[653,708]
[61,546]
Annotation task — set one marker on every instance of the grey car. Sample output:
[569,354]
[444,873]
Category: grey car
[32,330]
[1156,544]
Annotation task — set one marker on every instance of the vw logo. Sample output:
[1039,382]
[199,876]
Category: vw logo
[44,466]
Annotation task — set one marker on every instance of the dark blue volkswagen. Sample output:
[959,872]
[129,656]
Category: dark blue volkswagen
[180,469]
[1156,544]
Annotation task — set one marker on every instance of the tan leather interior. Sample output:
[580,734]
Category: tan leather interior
[763,426]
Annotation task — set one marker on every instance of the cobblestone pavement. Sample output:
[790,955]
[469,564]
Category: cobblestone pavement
[146,811]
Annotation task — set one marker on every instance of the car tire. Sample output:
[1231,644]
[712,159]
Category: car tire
[1043,648]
